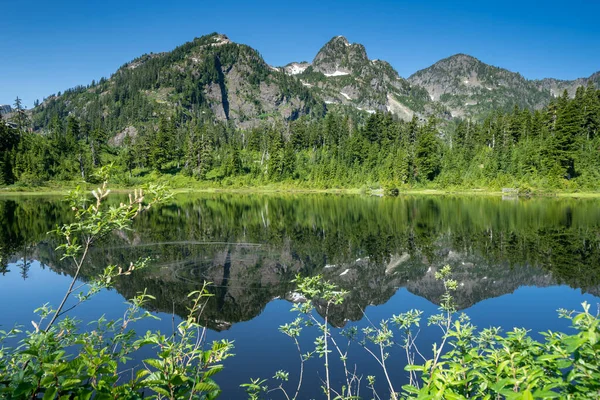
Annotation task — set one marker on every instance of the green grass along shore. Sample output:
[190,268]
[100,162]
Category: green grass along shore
[62,188]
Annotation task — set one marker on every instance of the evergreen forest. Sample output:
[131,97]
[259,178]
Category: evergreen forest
[555,148]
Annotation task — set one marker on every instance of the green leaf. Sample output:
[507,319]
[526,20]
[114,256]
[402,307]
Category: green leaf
[158,364]
[141,373]
[178,380]
[50,394]
[214,370]
[548,357]
[527,395]
[206,387]
[410,389]
[546,394]
[71,382]
[160,390]
[22,388]
[85,395]
[573,343]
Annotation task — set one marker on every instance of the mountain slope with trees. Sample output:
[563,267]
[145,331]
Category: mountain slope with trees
[209,77]
[214,112]
[470,88]
[556,147]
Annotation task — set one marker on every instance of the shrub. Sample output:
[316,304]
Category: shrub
[62,360]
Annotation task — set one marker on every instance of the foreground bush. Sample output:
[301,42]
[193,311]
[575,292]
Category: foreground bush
[61,359]
[467,364]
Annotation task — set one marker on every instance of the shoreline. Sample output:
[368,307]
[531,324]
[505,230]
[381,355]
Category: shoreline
[50,191]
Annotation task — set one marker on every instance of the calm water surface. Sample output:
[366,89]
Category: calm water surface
[517,262]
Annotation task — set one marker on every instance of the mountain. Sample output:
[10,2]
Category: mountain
[558,86]
[209,75]
[213,78]
[468,87]
[471,88]
[341,73]
[5,109]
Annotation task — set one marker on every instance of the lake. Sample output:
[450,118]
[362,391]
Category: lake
[516,261]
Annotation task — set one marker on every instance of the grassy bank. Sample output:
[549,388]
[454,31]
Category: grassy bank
[61,188]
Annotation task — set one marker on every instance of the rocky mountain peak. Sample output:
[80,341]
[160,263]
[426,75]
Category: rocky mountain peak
[341,39]
[5,109]
[342,74]
[456,65]
[468,87]
[339,57]
[460,59]
[220,39]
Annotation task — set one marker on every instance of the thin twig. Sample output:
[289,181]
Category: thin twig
[79,264]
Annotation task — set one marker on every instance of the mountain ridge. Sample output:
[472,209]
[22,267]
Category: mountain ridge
[231,82]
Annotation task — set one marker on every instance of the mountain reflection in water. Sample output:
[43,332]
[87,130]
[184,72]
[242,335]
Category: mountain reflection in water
[251,247]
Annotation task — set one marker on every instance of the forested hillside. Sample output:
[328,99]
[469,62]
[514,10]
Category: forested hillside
[207,78]
[555,147]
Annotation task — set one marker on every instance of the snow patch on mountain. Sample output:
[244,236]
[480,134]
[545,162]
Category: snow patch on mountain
[337,73]
[370,112]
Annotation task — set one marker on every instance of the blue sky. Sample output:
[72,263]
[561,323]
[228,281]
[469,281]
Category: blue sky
[46,47]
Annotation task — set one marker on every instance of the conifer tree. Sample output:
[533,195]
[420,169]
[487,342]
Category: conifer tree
[561,145]
[427,156]
[289,161]
[275,164]
[591,112]
[21,118]
[161,145]
[128,154]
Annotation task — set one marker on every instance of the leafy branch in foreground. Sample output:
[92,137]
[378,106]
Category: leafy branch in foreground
[319,295]
[468,363]
[66,361]
[94,221]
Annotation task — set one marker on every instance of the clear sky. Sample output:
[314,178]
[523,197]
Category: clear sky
[49,46]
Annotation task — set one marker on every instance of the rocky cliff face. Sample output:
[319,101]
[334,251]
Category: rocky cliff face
[244,89]
[295,68]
